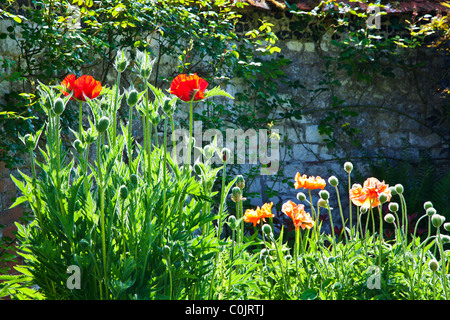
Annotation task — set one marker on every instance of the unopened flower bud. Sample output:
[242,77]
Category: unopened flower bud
[78,145]
[322,203]
[123,191]
[167,107]
[393,206]
[232,222]
[267,229]
[427,205]
[209,151]
[236,194]
[399,188]
[198,169]
[166,250]
[431,211]
[121,62]
[132,98]
[433,265]
[363,209]
[437,220]
[331,259]
[301,196]
[383,197]
[337,286]
[59,106]
[29,142]
[389,218]
[392,190]
[102,124]
[333,181]
[447,226]
[226,154]
[240,182]
[348,167]
[445,239]
[324,194]
[83,244]
[134,179]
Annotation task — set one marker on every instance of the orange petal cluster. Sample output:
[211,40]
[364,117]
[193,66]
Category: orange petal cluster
[368,195]
[82,87]
[298,215]
[188,87]
[310,183]
[255,216]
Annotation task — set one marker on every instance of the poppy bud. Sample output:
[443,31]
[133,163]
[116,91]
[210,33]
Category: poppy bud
[383,197]
[348,167]
[363,210]
[393,206]
[29,142]
[232,222]
[445,239]
[427,205]
[59,106]
[123,191]
[156,119]
[209,151]
[90,136]
[121,62]
[264,253]
[437,220]
[102,124]
[393,191]
[267,229]
[331,259]
[240,182]
[132,98]
[333,181]
[301,196]
[78,146]
[447,226]
[433,265]
[431,211]
[166,250]
[134,180]
[198,169]
[389,218]
[167,107]
[322,203]
[324,194]
[236,194]
[84,244]
[399,188]
[226,154]
[337,286]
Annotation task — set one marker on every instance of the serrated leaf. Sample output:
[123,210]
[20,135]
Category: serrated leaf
[217,91]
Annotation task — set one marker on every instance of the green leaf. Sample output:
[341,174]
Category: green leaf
[217,91]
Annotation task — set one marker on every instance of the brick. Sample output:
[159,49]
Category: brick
[8,217]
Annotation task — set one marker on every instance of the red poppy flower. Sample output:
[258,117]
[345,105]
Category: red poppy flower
[81,87]
[188,87]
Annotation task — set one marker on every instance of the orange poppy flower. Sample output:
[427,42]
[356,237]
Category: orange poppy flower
[188,87]
[298,215]
[368,195]
[84,86]
[310,183]
[255,216]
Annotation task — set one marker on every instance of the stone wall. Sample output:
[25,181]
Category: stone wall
[391,113]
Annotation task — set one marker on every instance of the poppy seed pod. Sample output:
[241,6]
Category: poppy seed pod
[132,98]
[29,142]
[301,196]
[102,124]
[59,106]
[267,229]
[437,220]
[123,191]
[333,181]
[348,167]
[433,265]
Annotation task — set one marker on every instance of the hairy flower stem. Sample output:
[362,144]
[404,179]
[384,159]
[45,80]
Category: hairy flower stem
[80,118]
[342,214]
[164,172]
[332,231]
[116,102]
[316,216]
[174,143]
[381,234]
[102,210]
[350,207]
[36,193]
[149,135]
[191,125]
[443,269]
[129,143]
